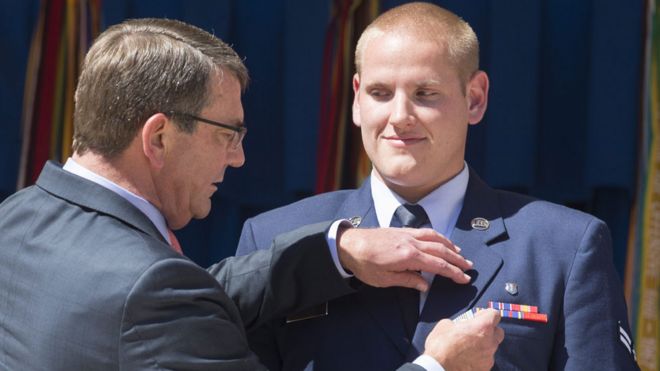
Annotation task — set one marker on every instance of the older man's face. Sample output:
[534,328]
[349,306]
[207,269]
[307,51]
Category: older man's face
[413,112]
[198,161]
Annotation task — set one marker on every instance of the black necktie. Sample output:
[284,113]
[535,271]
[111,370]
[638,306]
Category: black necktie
[409,216]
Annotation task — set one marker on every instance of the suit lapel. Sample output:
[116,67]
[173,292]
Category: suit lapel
[447,299]
[60,183]
[381,304]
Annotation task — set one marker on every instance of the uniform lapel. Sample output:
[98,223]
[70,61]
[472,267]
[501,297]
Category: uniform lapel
[447,299]
[381,304]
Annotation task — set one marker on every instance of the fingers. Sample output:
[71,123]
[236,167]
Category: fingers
[443,268]
[466,345]
[394,256]
[428,234]
[499,335]
[438,245]
[438,256]
[408,279]
[490,316]
[445,254]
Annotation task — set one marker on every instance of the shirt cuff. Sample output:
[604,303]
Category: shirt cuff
[332,244]
[429,363]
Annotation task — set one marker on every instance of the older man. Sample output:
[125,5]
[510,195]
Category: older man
[418,87]
[91,277]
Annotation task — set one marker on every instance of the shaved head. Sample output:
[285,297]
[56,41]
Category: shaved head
[424,21]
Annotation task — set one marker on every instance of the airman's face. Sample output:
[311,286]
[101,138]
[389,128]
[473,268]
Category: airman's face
[413,112]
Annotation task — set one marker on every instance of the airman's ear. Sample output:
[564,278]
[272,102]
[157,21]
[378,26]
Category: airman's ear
[477,97]
[356,104]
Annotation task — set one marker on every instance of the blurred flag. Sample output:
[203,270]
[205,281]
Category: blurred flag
[62,35]
[341,161]
[643,261]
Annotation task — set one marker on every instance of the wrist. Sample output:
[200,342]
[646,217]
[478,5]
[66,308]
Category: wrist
[344,241]
[429,363]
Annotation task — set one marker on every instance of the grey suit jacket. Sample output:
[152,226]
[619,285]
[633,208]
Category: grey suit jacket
[88,283]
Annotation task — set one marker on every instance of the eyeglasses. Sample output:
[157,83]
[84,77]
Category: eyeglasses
[237,136]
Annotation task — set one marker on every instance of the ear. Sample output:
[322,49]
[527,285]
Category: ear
[477,97]
[356,104]
[153,139]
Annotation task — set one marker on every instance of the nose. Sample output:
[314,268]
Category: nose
[236,156]
[401,115]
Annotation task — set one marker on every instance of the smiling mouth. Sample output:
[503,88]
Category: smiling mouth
[402,141]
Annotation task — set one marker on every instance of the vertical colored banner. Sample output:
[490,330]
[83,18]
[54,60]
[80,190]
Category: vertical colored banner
[341,160]
[62,35]
[643,261]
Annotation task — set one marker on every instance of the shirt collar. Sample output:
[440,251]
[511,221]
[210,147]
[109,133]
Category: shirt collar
[142,204]
[443,205]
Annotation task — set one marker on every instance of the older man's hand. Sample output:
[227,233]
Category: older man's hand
[384,257]
[467,345]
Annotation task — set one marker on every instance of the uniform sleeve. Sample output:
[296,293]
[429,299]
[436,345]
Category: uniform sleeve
[594,310]
[177,317]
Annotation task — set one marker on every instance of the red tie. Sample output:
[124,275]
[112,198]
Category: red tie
[176,246]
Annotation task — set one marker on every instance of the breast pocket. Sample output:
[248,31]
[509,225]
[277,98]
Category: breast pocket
[526,346]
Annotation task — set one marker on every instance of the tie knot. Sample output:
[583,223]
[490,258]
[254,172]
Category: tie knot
[409,216]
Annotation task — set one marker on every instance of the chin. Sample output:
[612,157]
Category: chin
[203,212]
[399,172]
[178,224]
[406,177]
